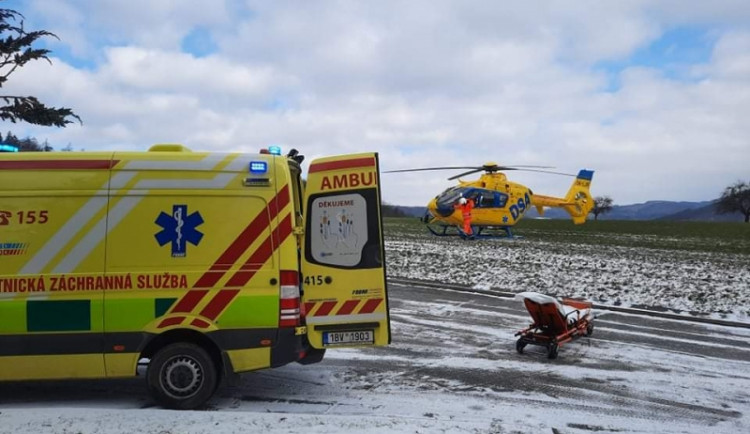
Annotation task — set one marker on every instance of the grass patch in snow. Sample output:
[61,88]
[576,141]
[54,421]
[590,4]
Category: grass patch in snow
[720,237]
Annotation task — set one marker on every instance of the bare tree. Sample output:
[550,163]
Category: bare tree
[602,205]
[735,198]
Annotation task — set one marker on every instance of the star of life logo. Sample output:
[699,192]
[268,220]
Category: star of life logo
[179,228]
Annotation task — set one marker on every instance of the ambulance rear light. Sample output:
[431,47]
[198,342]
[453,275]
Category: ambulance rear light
[289,304]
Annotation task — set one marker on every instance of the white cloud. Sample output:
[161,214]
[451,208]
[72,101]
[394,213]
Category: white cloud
[165,71]
[425,83]
[83,25]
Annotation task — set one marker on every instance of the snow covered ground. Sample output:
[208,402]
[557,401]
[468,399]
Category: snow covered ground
[453,368]
[716,284]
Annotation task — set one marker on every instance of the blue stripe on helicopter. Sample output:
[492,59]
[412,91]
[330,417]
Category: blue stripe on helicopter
[585,174]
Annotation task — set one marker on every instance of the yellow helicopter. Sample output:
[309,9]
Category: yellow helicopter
[498,203]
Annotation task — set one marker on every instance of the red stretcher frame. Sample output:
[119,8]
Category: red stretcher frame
[551,328]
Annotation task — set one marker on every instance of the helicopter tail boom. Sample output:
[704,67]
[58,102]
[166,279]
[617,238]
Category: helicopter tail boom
[577,202]
[580,196]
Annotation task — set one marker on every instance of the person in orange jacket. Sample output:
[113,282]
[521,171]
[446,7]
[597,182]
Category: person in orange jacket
[466,205]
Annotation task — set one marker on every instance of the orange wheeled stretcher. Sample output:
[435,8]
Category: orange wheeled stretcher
[556,322]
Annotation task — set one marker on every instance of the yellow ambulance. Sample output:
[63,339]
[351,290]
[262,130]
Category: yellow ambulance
[198,264]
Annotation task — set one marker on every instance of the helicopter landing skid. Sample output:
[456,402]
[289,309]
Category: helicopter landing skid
[442,230]
[478,232]
[490,232]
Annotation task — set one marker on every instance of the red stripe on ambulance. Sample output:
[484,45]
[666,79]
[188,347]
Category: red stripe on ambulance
[58,164]
[342,164]
[261,255]
[371,304]
[239,246]
[240,278]
[175,320]
[242,243]
[348,307]
[189,301]
[252,265]
[309,307]
[197,322]
[325,308]
[218,303]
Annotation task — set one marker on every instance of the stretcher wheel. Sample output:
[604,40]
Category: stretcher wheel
[590,329]
[520,345]
[552,351]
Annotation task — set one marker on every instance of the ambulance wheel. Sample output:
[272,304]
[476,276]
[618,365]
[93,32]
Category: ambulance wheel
[520,345]
[552,351]
[590,329]
[182,376]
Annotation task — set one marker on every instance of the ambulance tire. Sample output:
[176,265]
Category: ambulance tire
[182,376]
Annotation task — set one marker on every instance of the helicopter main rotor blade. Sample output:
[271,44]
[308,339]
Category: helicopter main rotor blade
[466,173]
[549,171]
[523,166]
[489,168]
[503,169]
[485,167]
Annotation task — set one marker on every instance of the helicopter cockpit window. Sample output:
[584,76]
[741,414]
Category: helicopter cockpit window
[472,194]
[487,199]
[450,196]
[501,199]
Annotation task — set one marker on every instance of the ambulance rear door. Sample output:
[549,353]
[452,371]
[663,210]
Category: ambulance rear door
[345,299]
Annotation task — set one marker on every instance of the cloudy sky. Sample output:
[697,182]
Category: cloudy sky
[654,96]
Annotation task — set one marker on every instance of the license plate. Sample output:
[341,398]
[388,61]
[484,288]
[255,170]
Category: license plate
[349,337]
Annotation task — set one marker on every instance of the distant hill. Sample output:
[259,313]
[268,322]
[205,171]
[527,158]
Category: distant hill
[705,213]
[651,210]
[413,211]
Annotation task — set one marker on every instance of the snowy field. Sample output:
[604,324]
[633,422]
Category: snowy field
[453,368]
[613,273]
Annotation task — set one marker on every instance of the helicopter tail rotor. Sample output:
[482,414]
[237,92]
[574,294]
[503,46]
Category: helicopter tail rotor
[578,200]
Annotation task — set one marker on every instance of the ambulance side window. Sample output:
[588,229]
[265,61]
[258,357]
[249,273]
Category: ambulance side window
[342,229]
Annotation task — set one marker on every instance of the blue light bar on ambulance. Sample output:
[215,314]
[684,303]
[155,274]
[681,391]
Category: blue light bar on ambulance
[7,148]
[258,167]
[275,150]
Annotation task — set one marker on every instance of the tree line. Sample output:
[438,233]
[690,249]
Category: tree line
[29,144]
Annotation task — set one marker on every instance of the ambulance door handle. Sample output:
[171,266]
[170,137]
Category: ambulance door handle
[273,281]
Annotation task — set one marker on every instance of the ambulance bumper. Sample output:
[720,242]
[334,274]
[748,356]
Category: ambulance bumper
[289,347]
